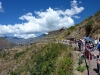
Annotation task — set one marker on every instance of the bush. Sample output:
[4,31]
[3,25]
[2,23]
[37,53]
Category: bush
[75,48]
[80,60]
[81,68]
[65,67]
[89,27]
[13,73]
[68,33]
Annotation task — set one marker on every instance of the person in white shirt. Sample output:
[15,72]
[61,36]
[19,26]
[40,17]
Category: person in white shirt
[96,42]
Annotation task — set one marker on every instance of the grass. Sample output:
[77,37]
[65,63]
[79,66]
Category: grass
[18,54]
[80,68]
[3,54]
[46,61]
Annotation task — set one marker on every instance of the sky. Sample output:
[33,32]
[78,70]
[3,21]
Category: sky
[30,18]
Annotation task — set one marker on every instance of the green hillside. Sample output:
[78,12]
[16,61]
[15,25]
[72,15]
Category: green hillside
[50,59]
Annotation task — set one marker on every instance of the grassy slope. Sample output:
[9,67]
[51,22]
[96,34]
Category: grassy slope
[52,59]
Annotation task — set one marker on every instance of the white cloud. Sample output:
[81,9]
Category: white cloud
[25,36]
[74,10]
[77,17]
[1,9]
[45,21]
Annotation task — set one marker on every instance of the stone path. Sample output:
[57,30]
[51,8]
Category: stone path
[93,66]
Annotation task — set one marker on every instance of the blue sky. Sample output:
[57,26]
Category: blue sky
[28,18]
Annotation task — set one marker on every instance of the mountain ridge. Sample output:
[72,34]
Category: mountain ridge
[5,44]
[24,41]
[89,27]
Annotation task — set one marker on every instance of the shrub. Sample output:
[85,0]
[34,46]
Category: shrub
[13,73]
[89,27]
[65,67]
[81,68]
[75,49]
[68,33]
[80,61]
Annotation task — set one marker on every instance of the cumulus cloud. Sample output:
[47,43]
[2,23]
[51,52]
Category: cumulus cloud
[1,9]
[45,21]
[25,36]
[77,17]
[74,9]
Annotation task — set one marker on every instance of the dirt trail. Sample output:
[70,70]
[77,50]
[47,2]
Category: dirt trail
[93,66]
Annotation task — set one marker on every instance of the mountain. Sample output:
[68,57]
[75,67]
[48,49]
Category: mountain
[17,40]
[24,41]
[88,27]
[5,44]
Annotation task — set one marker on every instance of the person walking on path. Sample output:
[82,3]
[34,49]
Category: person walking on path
[88,50]
[80,43]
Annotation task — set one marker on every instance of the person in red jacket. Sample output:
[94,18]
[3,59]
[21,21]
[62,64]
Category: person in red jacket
[88,50]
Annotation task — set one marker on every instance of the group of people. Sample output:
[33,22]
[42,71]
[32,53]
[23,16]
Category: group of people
[87,46]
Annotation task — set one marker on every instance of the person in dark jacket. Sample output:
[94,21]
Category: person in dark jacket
[80,43]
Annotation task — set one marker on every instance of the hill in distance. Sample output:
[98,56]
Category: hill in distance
[5,44]
[24,41]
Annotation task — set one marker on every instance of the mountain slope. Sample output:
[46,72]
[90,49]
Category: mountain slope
[51,59]
[88,27]
[17,40]
[5,44]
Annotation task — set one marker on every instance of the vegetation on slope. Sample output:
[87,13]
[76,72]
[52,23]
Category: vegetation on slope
[88,27]
[52,59]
